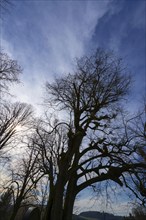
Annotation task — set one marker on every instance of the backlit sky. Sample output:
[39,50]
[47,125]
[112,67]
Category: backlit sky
[45,36]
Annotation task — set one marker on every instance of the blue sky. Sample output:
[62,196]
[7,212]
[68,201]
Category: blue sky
[45,36]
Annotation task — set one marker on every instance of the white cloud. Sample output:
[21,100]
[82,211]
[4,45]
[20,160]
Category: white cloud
[63,28]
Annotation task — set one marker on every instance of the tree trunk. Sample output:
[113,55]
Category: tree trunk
[58,196]
[14,213]
[71,187]
[69,199]
[57,206]
[49,207]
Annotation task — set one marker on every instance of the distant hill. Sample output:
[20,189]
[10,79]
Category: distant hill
[92,215]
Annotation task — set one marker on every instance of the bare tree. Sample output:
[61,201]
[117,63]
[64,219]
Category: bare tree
[16,120]
[96,147]
[13,116]
[41,194]
[9,72]
[23,180]
[137,128]
[13,119]
[49,142]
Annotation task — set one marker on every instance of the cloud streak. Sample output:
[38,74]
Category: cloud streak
[45,37]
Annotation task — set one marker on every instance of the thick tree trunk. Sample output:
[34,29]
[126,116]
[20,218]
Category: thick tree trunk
[68,209]
[71,187]
[69,199]
[58,196]
[71,191]
[14,213]
[57,206]
[49,207]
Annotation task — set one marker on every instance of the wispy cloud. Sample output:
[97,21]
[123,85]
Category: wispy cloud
[45,40]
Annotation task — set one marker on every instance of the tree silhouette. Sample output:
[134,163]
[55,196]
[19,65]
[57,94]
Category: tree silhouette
[91,144]
[9,72]
[137,128]
[23,181]
[14,116]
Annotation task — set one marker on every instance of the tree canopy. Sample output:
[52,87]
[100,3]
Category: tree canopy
[93,142]
[96,145]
